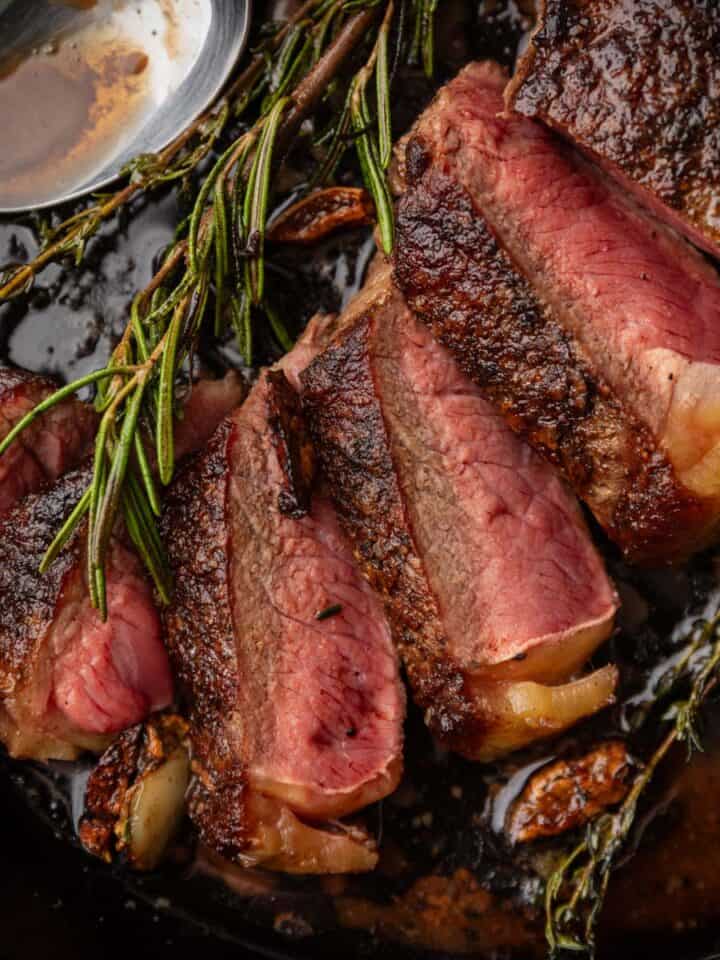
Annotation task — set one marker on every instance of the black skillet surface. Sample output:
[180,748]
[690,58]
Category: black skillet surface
[55,901]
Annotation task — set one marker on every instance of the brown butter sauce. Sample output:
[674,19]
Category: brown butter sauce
[64,107]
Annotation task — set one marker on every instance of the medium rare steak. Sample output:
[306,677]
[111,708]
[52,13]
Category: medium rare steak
[54,443]
[282,652]
[636,84]
[593,328]
[67,679]
[496,593]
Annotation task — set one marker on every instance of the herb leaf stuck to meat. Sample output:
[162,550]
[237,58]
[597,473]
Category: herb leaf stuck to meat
[218,256]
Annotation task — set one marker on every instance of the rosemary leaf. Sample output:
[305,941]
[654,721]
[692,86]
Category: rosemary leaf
[97,491]
[65,533]
[382,91]
[165,440]
[288,64]
[256,203]
[100,592]
[369,154]
[138,330]
[222,252]
[374,176]
[198,244]
[279,329]
[62,394]
[144,535]
[146,474]
[107,507]
[428,36]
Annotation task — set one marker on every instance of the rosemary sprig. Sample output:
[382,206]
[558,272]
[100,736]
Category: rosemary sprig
[374,148]
[219,251]
[575,891]
[423,45]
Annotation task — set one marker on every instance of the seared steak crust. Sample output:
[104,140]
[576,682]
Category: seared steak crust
[347,421]
[197,540]
[29,599]
[589,324]
[281,651]
[29,607]
[67,680]
[465,287]
[444,508]
[55,442]
[635,83]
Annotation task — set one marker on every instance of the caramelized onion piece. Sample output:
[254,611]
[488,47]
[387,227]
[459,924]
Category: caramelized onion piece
[519,713]
[322,213]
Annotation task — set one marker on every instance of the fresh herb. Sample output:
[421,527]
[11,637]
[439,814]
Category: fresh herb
[332,611]
[575,892]
[219,252]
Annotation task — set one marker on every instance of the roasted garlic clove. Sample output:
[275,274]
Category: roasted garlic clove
[567,793]
[135,796]
[321,213]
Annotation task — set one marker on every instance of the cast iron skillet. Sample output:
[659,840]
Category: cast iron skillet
[54,900]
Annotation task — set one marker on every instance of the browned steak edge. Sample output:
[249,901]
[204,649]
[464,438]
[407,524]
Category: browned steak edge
[29,597]
[346,420]
[458,280]
[204,661]
[660,60]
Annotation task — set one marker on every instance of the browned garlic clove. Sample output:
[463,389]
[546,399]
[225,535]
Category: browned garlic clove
[135,796]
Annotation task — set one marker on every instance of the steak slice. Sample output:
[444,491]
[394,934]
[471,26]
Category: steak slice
[67,679]
[52,444]
[282,652]
[495,591]
[593,328]
[636,84]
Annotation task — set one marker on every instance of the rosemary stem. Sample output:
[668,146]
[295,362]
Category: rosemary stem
[60,395]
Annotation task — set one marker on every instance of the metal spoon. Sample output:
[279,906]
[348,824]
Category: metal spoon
[185,50]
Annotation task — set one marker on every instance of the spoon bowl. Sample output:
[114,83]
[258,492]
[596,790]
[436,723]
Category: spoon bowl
[87,85]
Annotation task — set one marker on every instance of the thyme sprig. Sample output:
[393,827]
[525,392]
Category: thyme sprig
[575,891]
[218,254]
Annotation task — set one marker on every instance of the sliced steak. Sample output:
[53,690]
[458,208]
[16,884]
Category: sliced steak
[636,84]
[593,328]
[283,654]
[495,591]
[67,679]
[52,444]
